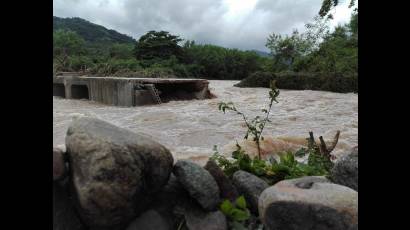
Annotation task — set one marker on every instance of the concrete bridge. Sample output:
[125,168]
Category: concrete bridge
[129,91]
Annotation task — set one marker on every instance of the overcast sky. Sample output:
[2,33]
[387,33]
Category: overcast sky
[243,24]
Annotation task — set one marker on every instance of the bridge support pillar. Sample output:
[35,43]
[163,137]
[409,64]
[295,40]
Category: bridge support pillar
[67,86]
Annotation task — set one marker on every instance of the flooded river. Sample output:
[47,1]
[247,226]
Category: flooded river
[190,129]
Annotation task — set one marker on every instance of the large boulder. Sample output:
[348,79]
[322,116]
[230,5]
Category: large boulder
[114,172]
[64,215]
[228,191]
[199,183]
[309,203]
[149,220]
[346,170]
[59,167]
[250,186]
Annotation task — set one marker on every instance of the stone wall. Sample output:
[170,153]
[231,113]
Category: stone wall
[110,178]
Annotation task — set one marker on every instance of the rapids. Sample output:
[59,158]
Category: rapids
[190,129]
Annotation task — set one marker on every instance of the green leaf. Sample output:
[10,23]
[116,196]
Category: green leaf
[226,207]
[241,202]
[301,152]
[245,163]
[259,171]
[239,215]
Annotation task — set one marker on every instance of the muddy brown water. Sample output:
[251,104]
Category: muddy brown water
[191,128]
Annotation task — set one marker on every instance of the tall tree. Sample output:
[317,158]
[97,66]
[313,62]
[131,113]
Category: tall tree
[65,44]
[337,54]
[160,45]
[328,5]
[121,51]
[286,49]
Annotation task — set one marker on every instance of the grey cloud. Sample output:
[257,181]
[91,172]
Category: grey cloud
[204,21]
[183,17]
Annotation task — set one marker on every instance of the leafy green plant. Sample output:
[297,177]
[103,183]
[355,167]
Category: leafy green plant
[241,161]
[273,171]
[237,212]
[257,124]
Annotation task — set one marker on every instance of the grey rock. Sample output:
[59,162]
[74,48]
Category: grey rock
[309,203]
[64,214]
[197,219]
[171,196]
[149,220]
[250,186]
[228,191]
[346,170]
[173,193]
[199,183]
[59,167]
[115,172]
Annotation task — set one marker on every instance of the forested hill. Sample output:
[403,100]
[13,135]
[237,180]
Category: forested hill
[90,32]
[262,53]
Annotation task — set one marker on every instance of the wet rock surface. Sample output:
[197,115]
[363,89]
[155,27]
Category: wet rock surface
[250,186]
[114,171]
[309,203]
[228,191]
[149,220]
[346,170]
[59,166]
[199,183]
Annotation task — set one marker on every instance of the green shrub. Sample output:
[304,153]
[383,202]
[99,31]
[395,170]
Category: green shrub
[116,66]
[299,81]
[272,171]
[237,213]
[256,125]
[77,63]
[181,71]
[119,64]
[341,84]
[257,79]
[157,72]
[303,81]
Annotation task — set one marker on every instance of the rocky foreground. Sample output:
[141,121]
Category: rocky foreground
[110,178]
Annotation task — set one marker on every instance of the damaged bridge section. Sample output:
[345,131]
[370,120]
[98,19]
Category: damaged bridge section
[130,91]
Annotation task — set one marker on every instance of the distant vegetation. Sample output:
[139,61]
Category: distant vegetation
[316,59]
[79,44]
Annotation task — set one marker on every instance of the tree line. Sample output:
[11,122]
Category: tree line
[318,51]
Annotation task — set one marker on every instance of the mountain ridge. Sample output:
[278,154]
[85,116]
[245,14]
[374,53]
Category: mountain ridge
[89,31]
[95,33]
